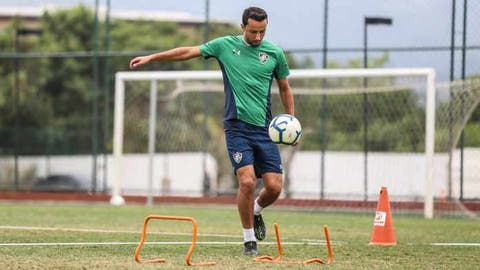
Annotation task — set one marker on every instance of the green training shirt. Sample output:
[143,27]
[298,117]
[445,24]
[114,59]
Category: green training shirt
[247,73]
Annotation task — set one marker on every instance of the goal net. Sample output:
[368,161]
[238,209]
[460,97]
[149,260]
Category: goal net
[362,129]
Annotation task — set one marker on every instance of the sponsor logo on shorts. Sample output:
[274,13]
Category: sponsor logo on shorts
[237,156]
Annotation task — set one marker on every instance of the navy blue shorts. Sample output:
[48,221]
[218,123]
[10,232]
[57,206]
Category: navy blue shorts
[250,145]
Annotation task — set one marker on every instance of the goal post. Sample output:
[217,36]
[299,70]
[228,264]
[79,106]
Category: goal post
[311,82]
[118,127]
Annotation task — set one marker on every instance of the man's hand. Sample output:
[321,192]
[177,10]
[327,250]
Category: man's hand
[138,61]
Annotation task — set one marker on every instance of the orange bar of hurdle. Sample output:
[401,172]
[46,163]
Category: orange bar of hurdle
[159,260]
[266,258]
[278,259]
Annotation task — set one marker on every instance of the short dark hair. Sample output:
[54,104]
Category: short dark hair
[254,13]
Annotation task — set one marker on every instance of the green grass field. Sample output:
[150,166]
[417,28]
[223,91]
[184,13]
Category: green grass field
[98,236]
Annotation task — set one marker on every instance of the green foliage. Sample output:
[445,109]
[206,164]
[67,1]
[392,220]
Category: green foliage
[57,94]
[395,120]
[471,134]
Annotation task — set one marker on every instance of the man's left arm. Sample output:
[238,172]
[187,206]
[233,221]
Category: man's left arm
[286,96]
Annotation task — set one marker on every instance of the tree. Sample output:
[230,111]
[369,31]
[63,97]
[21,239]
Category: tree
[56,97]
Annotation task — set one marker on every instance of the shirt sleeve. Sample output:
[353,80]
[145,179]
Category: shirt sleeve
[281,70]
[211,48]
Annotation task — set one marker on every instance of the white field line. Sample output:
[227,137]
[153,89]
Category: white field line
[189,243]
[306,241]
[151,243]
[310,242]
[107,231]
[456,244]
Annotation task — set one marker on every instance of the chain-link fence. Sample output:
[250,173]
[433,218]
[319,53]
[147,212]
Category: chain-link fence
[56,89]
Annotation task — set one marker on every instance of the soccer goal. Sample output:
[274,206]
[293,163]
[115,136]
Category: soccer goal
[363,129]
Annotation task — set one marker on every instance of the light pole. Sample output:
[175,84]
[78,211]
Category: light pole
[324,110]
[206,179]
[368,21]
[18,33]
[462,97]
[450,104]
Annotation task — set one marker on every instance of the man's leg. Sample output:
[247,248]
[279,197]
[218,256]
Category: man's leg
[246,188]
[272,187]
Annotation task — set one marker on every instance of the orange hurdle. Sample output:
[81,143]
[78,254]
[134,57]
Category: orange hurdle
[159,260]
[278,259]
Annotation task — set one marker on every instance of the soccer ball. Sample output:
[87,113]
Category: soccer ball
[285,129]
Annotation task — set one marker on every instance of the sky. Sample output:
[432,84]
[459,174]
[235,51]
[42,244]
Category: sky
[299,25]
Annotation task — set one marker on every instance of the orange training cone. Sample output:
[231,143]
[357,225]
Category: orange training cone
[383,233]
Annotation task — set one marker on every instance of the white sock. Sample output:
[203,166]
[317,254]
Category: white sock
[249,235]
[257,209]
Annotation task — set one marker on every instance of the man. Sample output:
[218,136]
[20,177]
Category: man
[248,64]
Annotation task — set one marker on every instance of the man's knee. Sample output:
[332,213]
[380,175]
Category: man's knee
[274,188]
[247,184]
[246,181]
[273,184]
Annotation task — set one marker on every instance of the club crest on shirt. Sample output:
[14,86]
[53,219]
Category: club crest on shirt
[263,57]
[237,156]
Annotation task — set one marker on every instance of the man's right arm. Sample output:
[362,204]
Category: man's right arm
[177,54]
